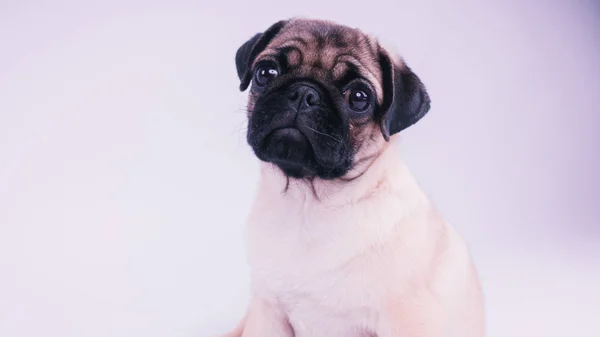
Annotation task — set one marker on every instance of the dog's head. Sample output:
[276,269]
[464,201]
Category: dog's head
[324,97]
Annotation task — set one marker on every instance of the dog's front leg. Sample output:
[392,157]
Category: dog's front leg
[266,320]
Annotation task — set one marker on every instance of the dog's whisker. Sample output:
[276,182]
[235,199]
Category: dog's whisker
[322,133]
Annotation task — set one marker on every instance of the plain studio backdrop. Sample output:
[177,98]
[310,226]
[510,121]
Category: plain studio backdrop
[125,179]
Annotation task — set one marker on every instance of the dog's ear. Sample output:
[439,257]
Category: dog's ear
[250,49]
[405,100]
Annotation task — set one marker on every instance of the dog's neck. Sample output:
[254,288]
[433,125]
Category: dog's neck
[385,172]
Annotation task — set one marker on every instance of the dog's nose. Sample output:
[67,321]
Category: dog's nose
[304,97]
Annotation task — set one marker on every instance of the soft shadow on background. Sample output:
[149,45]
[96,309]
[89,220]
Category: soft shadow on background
[125,178]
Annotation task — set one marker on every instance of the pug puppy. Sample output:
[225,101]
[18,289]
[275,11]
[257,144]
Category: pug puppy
[341,240]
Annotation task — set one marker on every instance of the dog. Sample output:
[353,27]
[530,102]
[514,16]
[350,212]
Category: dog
[341,240]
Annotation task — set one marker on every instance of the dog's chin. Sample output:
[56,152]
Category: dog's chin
[290,150]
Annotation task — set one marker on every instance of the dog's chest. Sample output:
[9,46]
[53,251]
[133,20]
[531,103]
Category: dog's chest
[312,265]
[321,298]
[333,305]
[291,246]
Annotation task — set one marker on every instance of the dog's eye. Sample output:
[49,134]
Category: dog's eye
[357,99]
[264,74]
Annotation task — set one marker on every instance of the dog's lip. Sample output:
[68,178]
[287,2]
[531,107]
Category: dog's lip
[288,128]
[290,131]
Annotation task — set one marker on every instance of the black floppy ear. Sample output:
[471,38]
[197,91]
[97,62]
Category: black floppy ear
[405,100]
[250,49]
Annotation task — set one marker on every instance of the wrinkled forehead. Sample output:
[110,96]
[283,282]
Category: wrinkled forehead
[327,51]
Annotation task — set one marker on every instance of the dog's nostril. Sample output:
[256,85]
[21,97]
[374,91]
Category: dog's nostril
[294,95]
[311,99]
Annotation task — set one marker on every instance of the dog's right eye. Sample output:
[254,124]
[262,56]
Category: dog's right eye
[264,74]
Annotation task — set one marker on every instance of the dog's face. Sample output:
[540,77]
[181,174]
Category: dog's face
[324,97]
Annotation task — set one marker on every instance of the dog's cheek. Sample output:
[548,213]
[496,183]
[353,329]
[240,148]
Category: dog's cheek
[249,108]
[356,138]
[365,141]
[253,97]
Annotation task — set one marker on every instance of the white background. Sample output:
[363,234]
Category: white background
[125,178]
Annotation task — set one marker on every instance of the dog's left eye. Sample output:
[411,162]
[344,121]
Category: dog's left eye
[357,99]
[264,74]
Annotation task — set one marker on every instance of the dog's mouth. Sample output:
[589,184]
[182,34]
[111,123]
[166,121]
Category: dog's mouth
[289,149]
